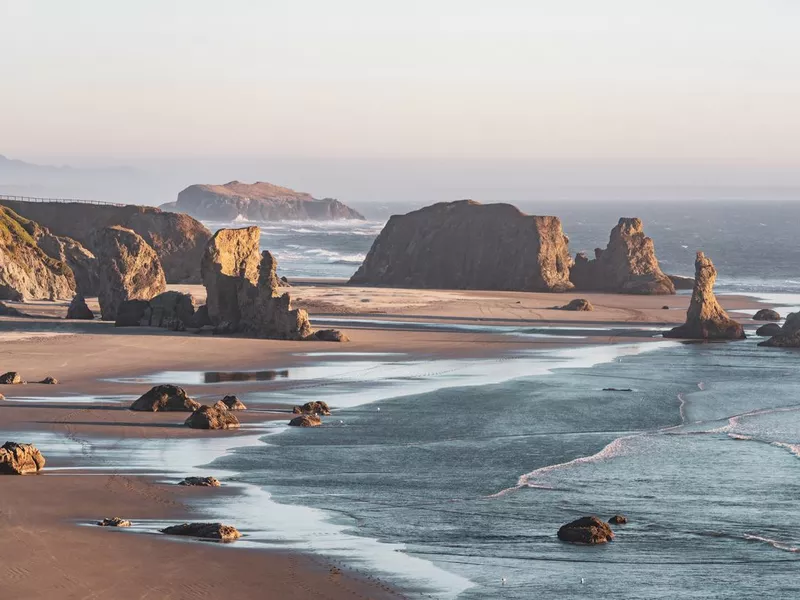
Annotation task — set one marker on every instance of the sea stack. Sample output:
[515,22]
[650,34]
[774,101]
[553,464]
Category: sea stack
[628,265]
[468,245]
[706,319]
[242,288]
[129,269]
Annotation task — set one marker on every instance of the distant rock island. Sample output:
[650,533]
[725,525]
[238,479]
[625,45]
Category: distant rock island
[469,245]
[259,201]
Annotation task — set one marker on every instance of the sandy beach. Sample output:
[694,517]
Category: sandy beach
[48,549]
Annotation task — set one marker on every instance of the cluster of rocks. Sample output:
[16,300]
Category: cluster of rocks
[705,318]
[590,530]
[172,398]
[14,378]
[789,334]
[309,414]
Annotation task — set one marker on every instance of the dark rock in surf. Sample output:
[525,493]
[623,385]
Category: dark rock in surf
[586,530]
[114,522]
[200,482]
[618,520]
[767,314]
[317,407]
[789,337]
[306,421]
[769,330]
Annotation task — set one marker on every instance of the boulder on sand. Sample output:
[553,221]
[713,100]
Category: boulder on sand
[11,378]
[705,318]
[20,459]
[79,310]
[767,314]
[212,417]
[170,310]
[579,304]
[231,403]
[628,265]
[789,336]
[131,313]
[114,522]
[329,335]
[129,269]
[49,381]
[317,407]
[306,421]
[208,531]
[200,482]
[242,288]
[586,530]
[470,246]
[769,330]
[165,398]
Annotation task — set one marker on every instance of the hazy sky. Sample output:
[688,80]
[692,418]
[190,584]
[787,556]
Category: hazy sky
[681,81]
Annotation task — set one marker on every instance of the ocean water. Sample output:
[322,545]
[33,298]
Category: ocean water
[753,245]
[703,457]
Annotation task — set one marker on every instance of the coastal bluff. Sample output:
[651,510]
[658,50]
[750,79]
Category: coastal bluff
[178,239]
[469,245]
[259,201]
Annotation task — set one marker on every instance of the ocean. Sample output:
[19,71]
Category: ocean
[754,246]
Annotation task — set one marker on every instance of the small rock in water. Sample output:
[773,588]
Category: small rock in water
[114,522]
[586,530]
[617,390]
[618,520]
[767,314]
[208,531]
[11,378]
[201,482]
[306,421]
[769,330]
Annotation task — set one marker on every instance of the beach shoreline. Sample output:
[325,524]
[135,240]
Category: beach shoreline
[102,369]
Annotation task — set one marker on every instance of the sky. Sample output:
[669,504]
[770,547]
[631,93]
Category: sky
[656,90]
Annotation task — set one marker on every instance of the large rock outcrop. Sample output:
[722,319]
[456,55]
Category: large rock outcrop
[706,319]
[129,269]
[789,335]
[26,271]
[468,245]
[20,459]
[242,288]
[257,202]
[165,398]
[628,265]
[81,261]
[178,239]
[586,530]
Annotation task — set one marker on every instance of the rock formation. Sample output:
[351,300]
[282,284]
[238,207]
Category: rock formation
[20,459]
[306,421]
[170,310]
[767,314]
[200,482]
[682,283]
[468,245]
[317,407]
[628,265]
[212,417]
[579,304]
[178,239]
[209,531]
[26,271]
[66,250]
[242,288]
[231,403]
[49,381]
[618,520]
[769,330]
[706,319]
[129,269]
[329,335]
[78,309]
[257,202]
[166,398]
[114,522]
[11,378]
[586,530]
[10,311]
[789,336]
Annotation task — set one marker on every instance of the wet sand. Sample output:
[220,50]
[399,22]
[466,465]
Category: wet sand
[46,554]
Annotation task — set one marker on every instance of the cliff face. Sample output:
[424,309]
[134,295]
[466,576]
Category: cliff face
[706,319]
[468,245]
[178,239]
[26,272]
[257,202]
[628,265]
